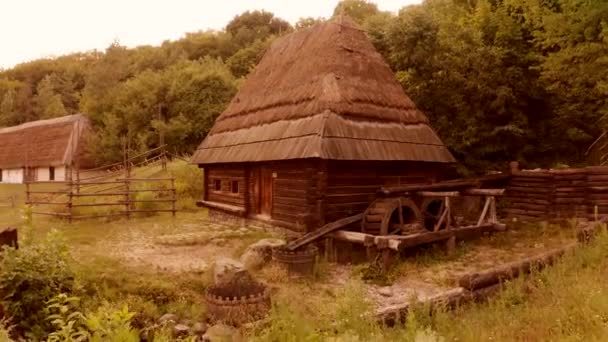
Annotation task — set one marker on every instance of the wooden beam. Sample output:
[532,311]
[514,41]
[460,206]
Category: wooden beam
[484,212]
[326,229]
[221,206]
[438,193]
[512,270]
[484,192]
[449,185]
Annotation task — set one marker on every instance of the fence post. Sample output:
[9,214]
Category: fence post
[174,194]
[27,193]
[70,198]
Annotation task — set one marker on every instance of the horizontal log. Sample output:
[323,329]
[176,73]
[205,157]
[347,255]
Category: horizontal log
[528,184]
[531,174]
[597,170]
[511,270]
[484,192]
[528,195]
[527,206]
[570,200]
[570,189]
[525,212]
[221,206]
[352,189]
[594,178]
[438,193]
[537,190]
[527,200]
[449,185]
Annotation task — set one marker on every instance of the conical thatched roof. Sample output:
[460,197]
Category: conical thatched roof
[322,92]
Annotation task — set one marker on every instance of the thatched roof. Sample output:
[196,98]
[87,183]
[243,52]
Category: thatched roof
[50,142]
[322,92]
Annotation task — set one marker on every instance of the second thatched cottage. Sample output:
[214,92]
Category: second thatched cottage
[44,150]
[314,131]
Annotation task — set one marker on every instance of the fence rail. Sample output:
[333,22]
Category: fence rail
[121,186]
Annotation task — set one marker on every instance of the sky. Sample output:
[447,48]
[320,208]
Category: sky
[31,29]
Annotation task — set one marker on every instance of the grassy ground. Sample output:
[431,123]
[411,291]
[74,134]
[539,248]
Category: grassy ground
[160,264]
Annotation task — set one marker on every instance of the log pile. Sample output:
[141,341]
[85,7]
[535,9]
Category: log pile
[530,195]
[570,193]
[597,191]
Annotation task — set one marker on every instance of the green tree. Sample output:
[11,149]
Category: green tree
[250,26]
[358,10]
[307,22]
[48,103]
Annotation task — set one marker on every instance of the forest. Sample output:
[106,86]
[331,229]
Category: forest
[500,80]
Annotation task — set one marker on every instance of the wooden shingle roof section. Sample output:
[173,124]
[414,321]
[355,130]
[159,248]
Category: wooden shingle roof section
[322,92]
[52,142]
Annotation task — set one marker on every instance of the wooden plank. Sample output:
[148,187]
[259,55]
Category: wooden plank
[450,185]
[438,193]
[221,206]
[484,192]
[326,229]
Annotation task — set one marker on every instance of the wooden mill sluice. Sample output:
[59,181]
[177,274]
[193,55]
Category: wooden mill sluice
[408,216]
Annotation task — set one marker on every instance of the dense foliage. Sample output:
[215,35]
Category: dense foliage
[499,79]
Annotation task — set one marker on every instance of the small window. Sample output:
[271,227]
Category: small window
[235,187]
[217,185]
[51,173]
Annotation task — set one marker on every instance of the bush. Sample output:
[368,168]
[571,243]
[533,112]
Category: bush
[30,277]
[189,183]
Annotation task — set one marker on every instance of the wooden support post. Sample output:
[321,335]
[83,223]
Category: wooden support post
[70,199]
[174,196]
[448,219]
[28,200]
[493,216]
[484,212]
[450,246]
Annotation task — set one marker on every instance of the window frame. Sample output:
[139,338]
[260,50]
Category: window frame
[217,185]
[232,187]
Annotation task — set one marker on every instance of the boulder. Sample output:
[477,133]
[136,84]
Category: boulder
[226,270]
[259,253]
[181,330]
[222,333]
[199,328]
[168,318]
[386,291]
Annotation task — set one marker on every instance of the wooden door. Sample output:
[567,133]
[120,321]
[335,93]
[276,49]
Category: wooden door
[265,192]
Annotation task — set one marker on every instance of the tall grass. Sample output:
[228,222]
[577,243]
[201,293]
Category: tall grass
[565,302]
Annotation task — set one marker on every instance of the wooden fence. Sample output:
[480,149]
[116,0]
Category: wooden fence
[111,189]
[8,202]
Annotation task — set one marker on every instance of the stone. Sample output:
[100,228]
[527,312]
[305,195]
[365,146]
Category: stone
[386,291]
[259,253]
[181,330]
[222,333]
[226,270]
[168,318]
[219,241]
[199,328]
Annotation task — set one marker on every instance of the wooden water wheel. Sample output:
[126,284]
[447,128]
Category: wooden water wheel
[392,216]
[432,209]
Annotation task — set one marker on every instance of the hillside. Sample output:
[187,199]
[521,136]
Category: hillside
[499,80]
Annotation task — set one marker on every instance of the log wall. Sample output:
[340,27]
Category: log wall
[563,193]
[353,186]
[226,175]
[294,199]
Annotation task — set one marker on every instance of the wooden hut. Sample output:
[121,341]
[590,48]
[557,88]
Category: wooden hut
[314,131]
[44,150]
